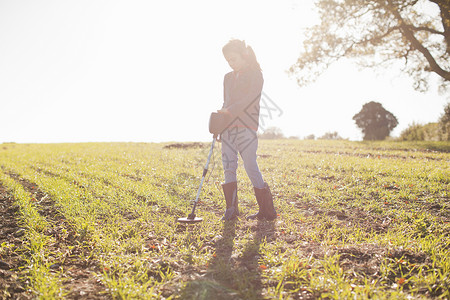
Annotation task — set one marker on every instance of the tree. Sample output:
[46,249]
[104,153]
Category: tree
[375,122]
[376,33]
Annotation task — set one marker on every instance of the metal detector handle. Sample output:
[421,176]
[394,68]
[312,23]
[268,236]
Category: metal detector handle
[205,171]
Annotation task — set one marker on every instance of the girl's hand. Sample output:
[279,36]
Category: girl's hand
[223,111]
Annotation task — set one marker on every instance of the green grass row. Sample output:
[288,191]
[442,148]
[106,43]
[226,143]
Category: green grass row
[41,280]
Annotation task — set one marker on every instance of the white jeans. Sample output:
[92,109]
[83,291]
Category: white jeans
[245,142]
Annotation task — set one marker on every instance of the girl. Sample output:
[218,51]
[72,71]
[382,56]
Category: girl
[242,94]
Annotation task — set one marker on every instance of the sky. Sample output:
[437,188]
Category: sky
[152,71]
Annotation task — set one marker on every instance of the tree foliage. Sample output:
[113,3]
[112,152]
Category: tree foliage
[377,33]
[376,123]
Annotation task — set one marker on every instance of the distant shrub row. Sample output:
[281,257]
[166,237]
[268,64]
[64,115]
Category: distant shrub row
[439,131]
[376,124]
[425,132]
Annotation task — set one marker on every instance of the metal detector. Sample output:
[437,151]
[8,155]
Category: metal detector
[191,218]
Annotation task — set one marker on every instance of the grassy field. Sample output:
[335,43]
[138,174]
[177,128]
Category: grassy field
[98,221]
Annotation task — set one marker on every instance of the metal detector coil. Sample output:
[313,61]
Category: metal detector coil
[189,221]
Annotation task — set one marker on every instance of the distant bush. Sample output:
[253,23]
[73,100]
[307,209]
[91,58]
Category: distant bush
[419,132]
[272,133]
[429,132]
[331,136]
[444,124]
[412,133]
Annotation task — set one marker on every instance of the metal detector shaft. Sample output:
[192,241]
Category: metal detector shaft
[205,170]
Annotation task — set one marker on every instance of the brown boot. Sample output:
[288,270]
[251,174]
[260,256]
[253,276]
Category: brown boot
[231,198]
[265,203]
[260,214]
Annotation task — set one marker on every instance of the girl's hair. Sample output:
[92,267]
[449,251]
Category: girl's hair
[238,46]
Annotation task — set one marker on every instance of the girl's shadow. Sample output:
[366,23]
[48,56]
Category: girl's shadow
[228,276]
[250,265]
